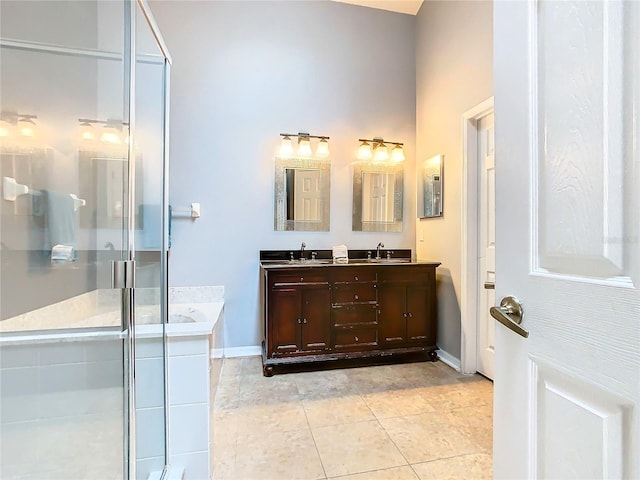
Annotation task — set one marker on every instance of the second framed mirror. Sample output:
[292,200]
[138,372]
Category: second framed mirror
[377,197]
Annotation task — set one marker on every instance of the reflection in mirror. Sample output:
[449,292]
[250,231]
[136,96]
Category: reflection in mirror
[430,187]
[377,198]
[103,180]
[302,188]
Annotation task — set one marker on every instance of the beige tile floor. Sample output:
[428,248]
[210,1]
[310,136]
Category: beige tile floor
[413,421]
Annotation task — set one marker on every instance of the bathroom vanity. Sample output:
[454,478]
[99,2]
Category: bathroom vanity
[317,313]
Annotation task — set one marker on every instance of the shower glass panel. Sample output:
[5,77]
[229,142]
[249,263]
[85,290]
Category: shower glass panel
[68,158]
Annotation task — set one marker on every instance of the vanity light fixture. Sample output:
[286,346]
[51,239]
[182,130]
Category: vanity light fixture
[5,128]
[111,131]
[380,152]
[87,132]
[323,148]
[27,127]
[23,123]
[397,154]
[286,148]
[304,145]
[364,151]
[111,134]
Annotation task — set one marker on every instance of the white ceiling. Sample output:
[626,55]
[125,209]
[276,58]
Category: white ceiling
[403,6]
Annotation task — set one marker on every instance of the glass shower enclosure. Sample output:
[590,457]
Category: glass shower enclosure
[83,240]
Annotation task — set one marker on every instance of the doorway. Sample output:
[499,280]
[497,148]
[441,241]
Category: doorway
[477,269]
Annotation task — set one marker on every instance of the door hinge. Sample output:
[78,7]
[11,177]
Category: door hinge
[123,274]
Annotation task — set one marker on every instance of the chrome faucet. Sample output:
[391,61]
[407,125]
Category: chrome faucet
[302,247]
[380,245]
[110,246]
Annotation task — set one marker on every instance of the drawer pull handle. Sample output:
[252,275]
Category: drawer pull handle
[302,279]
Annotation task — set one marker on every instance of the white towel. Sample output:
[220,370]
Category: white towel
[340,254]
[62,253]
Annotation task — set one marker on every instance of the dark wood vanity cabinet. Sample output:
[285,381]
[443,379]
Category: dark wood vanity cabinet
[333,313]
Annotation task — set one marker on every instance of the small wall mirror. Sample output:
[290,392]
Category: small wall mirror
[302,200]
[377,197]
[430,187]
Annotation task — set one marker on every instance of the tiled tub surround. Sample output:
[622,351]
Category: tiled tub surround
[68,385]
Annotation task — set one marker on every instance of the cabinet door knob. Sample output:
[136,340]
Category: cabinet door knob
[299,321]
[356,297]
[304,320]
[404,315]
[356,278]
[357,339]
[409,315]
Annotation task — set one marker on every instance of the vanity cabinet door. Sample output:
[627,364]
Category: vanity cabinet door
[316,318]
[421,324]
[284,326]
[392,322]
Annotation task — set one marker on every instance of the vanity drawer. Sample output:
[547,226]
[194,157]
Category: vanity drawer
[350,314]
[354,274]
[405,274]
[301,276]
[355,338]
[354,292]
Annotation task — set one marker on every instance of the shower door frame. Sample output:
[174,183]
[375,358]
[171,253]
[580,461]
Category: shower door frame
[128,294]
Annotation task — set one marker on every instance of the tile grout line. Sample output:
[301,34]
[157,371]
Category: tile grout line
[315,444]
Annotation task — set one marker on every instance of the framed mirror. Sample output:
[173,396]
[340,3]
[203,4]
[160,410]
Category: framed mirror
[302,197]
[430,187]
[377,197]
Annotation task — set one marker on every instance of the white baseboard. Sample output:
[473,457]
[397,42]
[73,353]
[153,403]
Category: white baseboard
[248,351]
[217,353]
[449,359]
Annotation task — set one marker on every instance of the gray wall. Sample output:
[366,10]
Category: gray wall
[454,66]
[244,72]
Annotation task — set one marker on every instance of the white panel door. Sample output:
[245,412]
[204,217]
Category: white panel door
[486,245]
[567,107]
[308,196]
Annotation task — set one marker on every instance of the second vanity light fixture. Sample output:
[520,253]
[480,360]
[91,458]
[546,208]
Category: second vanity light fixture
[377,151]
[304,145]
[111,131]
